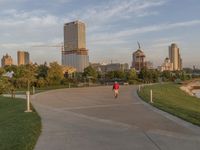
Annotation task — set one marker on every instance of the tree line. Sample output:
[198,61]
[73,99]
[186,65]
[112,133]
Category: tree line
[44,76]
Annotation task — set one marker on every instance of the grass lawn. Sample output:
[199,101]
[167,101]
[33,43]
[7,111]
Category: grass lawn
[168,97]
[18,130]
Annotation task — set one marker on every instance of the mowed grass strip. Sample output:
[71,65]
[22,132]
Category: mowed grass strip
[170,98]
[18,130]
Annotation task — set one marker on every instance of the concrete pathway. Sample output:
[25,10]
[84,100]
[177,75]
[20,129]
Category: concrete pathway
[91,119]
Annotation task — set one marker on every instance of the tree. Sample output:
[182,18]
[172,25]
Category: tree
[119,74]
[41,82]
[42,71]
[132,75]
[166,75]
[90,72]
[24,76]
[148,75]
[144,74]
[2,71]
[5,85]
[110,75]
[55,74]
[116,75]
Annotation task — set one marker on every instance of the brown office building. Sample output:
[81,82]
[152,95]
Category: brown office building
[23,58]
[6,60]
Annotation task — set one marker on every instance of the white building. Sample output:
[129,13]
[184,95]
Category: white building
[166,66]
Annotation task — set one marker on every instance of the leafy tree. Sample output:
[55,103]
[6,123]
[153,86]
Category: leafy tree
[2,71]
[90,72]
[110,75]
[5,85]
[42,71]
[115,75]
[132,75]
[119,74]
[149,75]
[41,82]
[25,76]
[55,74]
[166,75]
[9,68]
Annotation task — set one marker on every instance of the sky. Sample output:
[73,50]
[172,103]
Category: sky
[113,28]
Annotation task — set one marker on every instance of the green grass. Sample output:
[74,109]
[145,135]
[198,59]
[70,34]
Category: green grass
[170,98]
[18,130]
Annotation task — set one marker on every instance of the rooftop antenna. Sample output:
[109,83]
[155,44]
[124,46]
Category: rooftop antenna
[139,45]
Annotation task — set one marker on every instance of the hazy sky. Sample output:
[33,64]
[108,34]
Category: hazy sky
[113,28]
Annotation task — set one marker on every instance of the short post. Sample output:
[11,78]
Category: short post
[139,88]
[28,102]
[69,85]
[33,89]
[12,93]
[151,96]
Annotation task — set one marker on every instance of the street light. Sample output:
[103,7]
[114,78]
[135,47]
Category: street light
[28,92]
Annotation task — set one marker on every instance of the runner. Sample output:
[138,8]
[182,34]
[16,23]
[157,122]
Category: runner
[116,89]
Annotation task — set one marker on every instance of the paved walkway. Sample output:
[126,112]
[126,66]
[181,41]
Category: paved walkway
[91,119]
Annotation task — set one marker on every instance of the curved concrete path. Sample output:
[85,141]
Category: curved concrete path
[91,119]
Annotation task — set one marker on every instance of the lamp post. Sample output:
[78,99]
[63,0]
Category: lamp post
[28,94]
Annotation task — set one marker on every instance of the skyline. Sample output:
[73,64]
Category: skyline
[113,28]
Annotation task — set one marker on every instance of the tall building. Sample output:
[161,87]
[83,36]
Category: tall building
[138,59]
[6,60]
[175,58]
[75,53]
[23,58]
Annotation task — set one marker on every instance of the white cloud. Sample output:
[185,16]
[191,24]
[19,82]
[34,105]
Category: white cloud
[117,10]
[141,30]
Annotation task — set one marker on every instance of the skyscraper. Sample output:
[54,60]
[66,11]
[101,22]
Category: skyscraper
[23,58]
[6,60]
[174,56]
[75,53]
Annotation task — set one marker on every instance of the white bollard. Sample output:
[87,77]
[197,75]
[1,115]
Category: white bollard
[33,90]
[28,102]
[139,88]
[151,96]
[69,85]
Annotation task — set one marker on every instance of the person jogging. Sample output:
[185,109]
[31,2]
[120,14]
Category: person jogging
[116,89]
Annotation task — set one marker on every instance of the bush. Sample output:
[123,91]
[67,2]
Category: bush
[133,82]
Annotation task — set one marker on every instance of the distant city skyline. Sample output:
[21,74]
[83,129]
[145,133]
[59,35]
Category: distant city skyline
[113,28]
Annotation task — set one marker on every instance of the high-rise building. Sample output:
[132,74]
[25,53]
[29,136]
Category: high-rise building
[175,58]
[75,53]
[138,61]
[6,60]
[23,58]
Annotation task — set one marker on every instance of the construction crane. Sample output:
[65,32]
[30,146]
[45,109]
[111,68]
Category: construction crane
[70,70]
[57,45]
